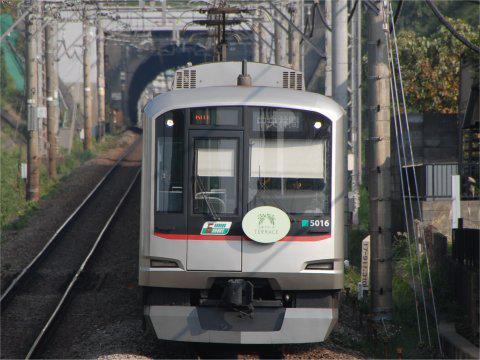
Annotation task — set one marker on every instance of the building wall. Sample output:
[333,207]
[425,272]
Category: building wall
[434,139]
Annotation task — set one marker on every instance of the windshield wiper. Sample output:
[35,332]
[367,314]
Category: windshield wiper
[209,205]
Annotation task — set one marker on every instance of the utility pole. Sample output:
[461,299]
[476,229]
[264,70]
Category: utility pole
[379,171]
[101,79]
[33,170]
[280,38]
[295,9]
[328,49]
[41,112]
[87,93]
[340,88]
[52,95]
[356,107]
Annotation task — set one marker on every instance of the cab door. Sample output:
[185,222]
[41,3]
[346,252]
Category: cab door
[215,200]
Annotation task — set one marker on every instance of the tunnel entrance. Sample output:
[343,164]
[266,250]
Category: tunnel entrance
[171,57]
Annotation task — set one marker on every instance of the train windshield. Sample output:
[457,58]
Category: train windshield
[289,153]
[286,162]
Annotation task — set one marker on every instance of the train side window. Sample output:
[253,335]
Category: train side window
[169,173]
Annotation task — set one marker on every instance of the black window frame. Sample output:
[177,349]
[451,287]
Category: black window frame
[171,222]
[215,126]
[182,222]
[251,133]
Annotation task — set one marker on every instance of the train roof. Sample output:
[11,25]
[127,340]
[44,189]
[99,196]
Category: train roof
[243,95]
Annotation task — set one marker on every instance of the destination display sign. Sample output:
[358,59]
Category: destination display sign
[266,119]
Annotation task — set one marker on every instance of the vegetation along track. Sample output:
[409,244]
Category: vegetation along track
[36,295]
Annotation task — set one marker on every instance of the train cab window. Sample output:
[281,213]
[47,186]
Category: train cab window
[218,116]
[215,179]
[289,161]
[169,159]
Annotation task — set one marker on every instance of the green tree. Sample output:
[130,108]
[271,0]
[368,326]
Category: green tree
[418,17]
[431,67]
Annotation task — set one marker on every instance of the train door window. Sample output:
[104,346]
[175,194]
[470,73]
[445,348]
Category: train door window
[170,145]
[215,176]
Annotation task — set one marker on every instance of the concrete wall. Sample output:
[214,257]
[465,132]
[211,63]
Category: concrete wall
[438,213]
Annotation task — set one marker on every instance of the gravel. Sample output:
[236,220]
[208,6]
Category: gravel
[37,296]
[19,247]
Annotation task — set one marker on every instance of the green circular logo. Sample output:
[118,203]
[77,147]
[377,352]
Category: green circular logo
[266,224]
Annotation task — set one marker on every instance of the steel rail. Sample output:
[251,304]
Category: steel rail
[41,336]
[18,279]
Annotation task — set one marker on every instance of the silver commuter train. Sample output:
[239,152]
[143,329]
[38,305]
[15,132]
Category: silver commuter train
[242,210]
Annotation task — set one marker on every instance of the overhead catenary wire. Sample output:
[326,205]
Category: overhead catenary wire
[402,91]
[323,19]
[420,339]
[294,27]
[352,11]
[398,11]
[15,24]
[404,164]
[400,155]
[450,28]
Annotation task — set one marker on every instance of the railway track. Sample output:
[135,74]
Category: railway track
[36,296]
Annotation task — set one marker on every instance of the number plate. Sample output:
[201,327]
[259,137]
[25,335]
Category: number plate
[321,224]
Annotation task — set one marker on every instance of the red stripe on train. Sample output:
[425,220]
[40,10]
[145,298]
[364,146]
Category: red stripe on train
[237,237]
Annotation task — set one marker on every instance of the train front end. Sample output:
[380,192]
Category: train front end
[242,208]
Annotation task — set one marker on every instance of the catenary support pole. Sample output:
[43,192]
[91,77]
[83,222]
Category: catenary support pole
[101,79]
[262,47]
[379,171]
[328,49]
[87,91]
[33,160]
[356,108]
[280,38]
[294,38]
[52,95]
[340,84]
[42,138]
[256,40]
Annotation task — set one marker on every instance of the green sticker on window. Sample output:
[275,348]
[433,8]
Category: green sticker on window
[216,228]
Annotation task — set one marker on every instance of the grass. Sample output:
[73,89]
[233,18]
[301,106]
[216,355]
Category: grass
[15,211]
[402,331]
